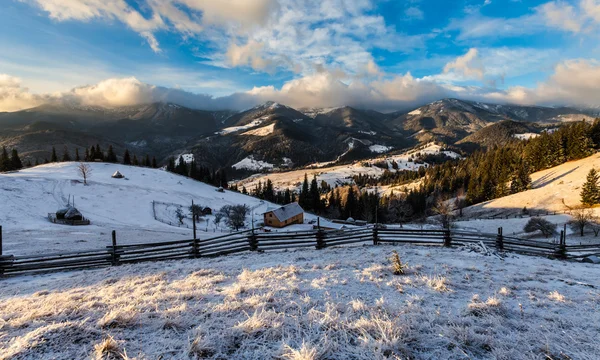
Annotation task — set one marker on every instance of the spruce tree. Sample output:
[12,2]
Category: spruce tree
[77,157]
[66,156]
[303,199]
[181,167]
[315,196]
[135,161]
[126,158]
[5,164]
[53,157]
[590,192]
[147,162]
[111,157]
[15,161]
[154,164]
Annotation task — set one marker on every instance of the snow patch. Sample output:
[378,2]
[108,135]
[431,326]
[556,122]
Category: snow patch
[187,158]
[263,131]
[379,148]
[250,163]
[526,136]
[250,125]
[415,112]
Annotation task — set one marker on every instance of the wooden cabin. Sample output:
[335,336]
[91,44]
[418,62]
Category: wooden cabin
[286,215]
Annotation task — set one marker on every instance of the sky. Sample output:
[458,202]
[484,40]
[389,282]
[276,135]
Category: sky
[233,54]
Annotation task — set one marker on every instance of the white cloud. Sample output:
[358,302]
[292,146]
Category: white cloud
[468,66]
[561,15]
[581,17]
[14,97]
[414,12]
[574,82]
[260,34]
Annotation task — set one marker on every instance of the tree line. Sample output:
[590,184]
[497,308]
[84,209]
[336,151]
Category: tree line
[198,172]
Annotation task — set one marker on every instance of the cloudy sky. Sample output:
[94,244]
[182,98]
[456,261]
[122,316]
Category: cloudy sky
[386,54]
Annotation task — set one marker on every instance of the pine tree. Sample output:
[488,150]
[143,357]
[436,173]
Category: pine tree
[193,172]
[15,161]
[181,167]
[98,153]
[66,156]
[315,196]
[147,162]
[126,158]
[154,164]
[171,164]
[53,157]
[135,161]
[5,164]
[303,198]
[590,192]
[111,157]
[77,157]
[87,155]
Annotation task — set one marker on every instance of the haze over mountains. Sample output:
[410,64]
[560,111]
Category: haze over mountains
[272,133]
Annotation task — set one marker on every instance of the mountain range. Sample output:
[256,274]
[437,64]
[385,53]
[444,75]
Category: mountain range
[272,135]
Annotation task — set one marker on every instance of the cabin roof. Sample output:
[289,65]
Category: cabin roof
[287,211]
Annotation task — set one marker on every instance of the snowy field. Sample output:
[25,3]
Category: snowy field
[338,303]
[124,205]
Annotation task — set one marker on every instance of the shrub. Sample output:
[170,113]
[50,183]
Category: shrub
[397,265]
[538,224]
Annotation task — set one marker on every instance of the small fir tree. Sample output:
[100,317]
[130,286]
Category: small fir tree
[590,193]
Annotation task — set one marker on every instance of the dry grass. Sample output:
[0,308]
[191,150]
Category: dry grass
[276,310]
[107,349]
[556,296]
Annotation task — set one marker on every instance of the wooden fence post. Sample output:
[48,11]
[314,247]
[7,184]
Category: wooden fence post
[500,240]
[320,236]
[194,220]
[447,238]
[115,256]
[561,251]
[252,241]
[375,235]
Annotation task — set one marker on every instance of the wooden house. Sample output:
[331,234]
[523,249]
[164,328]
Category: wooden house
[284,216]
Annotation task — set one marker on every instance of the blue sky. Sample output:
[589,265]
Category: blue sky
[381,54]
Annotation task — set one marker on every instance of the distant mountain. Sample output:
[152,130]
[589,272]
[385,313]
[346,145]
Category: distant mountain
[271,134]
[451,120]
[157,128]
[499,133]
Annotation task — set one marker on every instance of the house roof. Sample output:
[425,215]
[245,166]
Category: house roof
[287,212]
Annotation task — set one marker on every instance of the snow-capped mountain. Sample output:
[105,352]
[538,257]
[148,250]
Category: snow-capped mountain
[270,133]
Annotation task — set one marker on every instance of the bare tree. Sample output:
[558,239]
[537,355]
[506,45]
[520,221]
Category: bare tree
[582,218]
[85,171]
[235,215]
[218,217]
[443,209]
[459,201]
[180,215]
[196,211]
[399,210]
[544,226]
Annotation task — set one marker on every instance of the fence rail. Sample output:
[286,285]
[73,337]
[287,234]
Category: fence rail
[251,240]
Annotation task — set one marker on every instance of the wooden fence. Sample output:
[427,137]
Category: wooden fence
[259,241]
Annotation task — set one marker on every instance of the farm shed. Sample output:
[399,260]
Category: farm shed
[284,216]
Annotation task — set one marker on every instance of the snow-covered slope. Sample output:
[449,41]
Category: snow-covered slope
[336,303]
[549,188]
[341,174]
[27,196]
